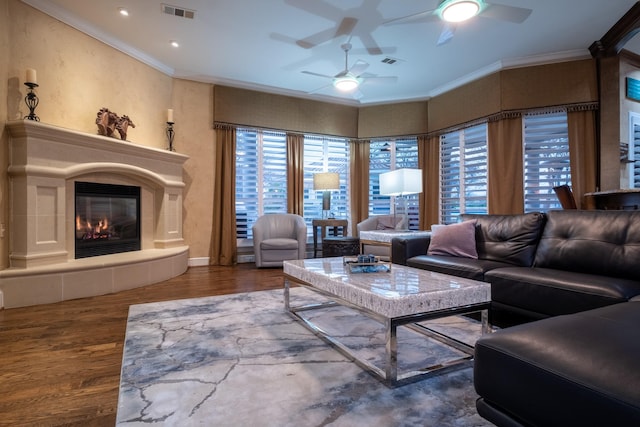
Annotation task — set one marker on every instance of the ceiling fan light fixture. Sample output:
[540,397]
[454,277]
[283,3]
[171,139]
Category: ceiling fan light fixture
[459,10]
[346,83]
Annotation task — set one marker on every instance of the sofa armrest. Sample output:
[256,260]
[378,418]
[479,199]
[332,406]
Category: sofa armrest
[403,248]
[368,224]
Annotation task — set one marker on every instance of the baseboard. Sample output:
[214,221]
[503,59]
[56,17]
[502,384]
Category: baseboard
[198,262]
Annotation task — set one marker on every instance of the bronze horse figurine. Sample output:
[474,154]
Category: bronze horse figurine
[121,126]
[108,123]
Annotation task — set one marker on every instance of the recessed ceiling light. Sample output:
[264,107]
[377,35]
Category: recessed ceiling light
[123,11]
[175,43]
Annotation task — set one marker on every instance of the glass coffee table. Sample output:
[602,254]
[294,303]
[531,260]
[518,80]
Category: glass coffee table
[404,296]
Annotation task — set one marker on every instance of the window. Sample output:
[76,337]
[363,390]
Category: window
[463,169]
[325,154]
[261,177]
[387,155]
[546,160]
[633,151]
[635,180]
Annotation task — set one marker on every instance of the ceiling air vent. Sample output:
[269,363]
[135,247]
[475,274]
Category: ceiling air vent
[178,11]
[391,61]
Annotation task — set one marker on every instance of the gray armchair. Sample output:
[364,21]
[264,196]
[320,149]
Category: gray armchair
[380,222]
[279,237]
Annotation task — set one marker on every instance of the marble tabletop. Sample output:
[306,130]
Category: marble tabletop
[400,292]
[385,236]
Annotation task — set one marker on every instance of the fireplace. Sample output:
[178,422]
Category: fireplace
[107,219]
[129,198]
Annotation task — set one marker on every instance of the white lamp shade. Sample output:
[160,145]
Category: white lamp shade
[326,181]
[401,182]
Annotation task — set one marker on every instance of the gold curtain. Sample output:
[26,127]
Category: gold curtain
[223,236]
[295,173]
[582,153]
[429,162]
[505,171]
[359,179]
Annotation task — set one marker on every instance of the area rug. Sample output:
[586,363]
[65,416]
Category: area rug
[241,360]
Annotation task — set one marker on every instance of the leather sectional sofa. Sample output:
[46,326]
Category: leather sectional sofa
[578,271]
[542,265]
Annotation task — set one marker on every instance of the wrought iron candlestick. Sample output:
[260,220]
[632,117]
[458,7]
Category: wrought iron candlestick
[32,102]
[170,135]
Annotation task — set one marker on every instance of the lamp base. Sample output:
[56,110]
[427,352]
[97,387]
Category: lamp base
[404,213]
[326,204]
[326,201]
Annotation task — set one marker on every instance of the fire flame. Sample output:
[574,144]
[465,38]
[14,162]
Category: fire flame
[91,231]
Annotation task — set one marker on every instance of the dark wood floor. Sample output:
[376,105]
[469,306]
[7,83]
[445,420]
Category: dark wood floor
[61,362]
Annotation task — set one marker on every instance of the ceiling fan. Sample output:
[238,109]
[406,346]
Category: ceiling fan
[345,23]
[349,79]
[453,12]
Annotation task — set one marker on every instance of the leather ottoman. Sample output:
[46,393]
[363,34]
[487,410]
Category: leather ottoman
[572,370]
[340,246]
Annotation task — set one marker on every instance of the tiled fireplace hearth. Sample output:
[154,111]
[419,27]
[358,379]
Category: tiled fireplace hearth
[46,162]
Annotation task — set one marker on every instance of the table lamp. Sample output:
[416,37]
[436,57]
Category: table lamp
[399,183]
[326,181]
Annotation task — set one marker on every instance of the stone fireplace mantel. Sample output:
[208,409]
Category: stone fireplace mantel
[45,163]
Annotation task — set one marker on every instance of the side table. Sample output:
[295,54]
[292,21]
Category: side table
[323,224]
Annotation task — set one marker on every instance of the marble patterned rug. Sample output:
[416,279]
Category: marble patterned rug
[241,360]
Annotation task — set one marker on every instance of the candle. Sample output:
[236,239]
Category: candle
[170,115]
[31,76]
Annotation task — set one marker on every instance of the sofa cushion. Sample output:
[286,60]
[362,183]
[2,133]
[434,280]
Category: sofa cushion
[457,240]
[388,222]
[278,243]
[461,267]
[592,242]
[579,369]
[508,238]
[550,292]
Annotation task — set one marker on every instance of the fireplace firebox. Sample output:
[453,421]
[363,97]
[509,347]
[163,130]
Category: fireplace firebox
[107,219]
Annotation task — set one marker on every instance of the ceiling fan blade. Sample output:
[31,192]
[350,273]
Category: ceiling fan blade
[316,39]
[343,29]
[381,79]
[282,38]
[503,12]
[446,34]
[317,74]
[371,44]
[425,16]
[346,26]
[358,67]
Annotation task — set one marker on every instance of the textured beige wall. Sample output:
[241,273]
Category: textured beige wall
[551,84]
[78,75]
[403,118]
[4,143]
[251,108]
[193,114]
[472,101]
[610,114]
